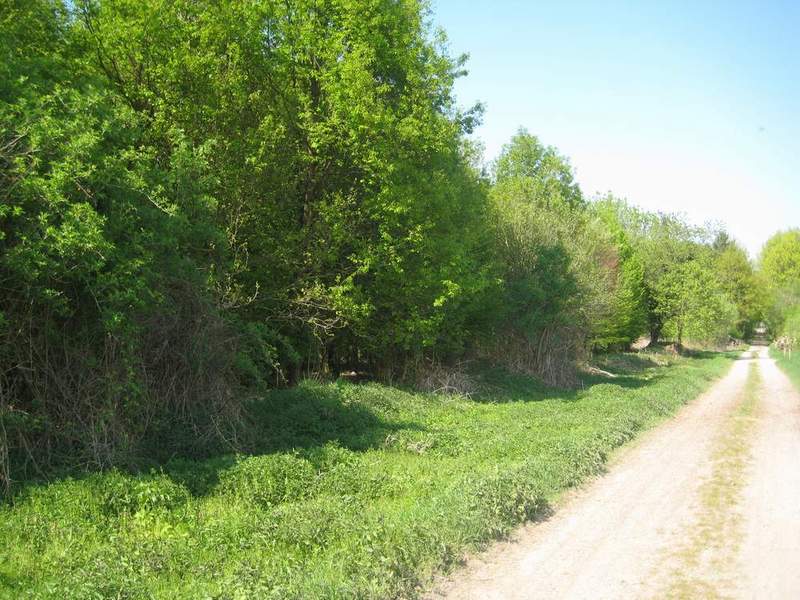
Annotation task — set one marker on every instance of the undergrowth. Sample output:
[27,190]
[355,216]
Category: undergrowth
[358,491]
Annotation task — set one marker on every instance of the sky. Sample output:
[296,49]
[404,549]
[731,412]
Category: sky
[689,107]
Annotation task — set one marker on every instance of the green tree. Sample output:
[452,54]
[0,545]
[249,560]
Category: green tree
[540,170]
[197,197]
[349,207]
[569,278]
[627,319]
[737,276]
[779,269]
[693,304]
[780,259]
[662,242]
[107,243]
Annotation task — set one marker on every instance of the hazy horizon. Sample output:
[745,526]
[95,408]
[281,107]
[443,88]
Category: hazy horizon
[687,110]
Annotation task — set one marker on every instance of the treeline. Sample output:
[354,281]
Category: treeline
[779,268]
[198,200]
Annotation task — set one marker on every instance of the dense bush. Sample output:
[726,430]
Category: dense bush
[200,200]
[196,201]
[780,274]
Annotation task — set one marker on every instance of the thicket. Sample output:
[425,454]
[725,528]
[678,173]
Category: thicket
[779,270]
[198,200]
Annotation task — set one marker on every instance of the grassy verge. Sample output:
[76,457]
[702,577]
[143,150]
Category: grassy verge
[788,362]
[359,491]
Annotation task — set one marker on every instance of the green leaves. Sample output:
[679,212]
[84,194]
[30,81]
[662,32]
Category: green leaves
[693,304]
[201,199]
[545,176]
[780,277]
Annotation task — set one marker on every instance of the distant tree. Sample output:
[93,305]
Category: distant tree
[571,278]
[738,278]
[627,319]
[541,173]
[779,269]
[661,243]
[722,241]
[780,259]
[693,304]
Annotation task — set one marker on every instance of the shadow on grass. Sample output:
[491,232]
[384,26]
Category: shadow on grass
[302,418]
[623,381]
[627,364]
[626,371]
[357,417]
[312,415]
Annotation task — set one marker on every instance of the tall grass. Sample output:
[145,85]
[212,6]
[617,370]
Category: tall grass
[357,491]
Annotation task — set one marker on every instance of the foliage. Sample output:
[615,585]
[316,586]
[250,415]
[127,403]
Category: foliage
[693,305]
[538,300]
[107,243]
[570,279]
[791,325]
[789,360]
[268,480]
[779,268]
[696,286]
[626,319]
[780,258]
[741,282]
[349,209]
[199,201]
[546,173]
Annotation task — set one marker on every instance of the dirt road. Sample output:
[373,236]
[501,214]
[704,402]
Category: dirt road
[707,505]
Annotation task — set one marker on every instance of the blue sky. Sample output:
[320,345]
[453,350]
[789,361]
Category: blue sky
[676,106]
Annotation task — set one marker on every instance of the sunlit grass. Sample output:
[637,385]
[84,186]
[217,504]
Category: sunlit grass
[359,490]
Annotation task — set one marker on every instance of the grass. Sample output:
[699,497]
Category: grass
[359,491]
[789,362]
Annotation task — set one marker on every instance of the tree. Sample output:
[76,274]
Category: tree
[662,242]
[198,199]
[779,269]
[571,280]
[627,318]
[738,278]
[693,304]
[540,172]
[107,242]
[780,259]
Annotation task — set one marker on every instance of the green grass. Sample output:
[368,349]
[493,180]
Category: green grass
[359,491]
[789,362]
